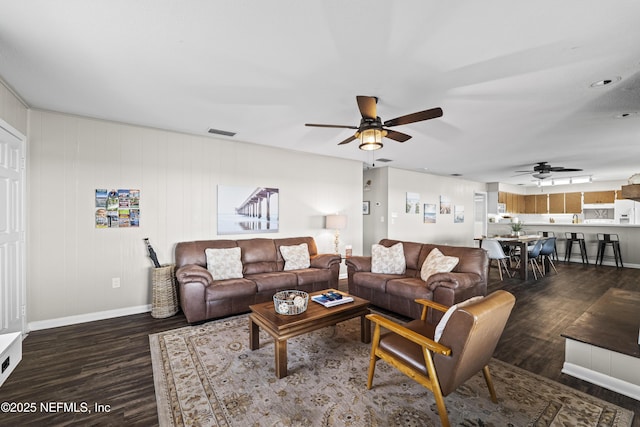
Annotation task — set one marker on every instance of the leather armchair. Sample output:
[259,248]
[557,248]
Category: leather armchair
[465,347]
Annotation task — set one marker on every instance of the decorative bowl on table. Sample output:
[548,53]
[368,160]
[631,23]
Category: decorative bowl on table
[290,302]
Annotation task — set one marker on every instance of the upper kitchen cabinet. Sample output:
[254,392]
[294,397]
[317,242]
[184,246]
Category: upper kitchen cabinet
[599,197]
[631,191]
[541,204]
[556,203]
[573,202]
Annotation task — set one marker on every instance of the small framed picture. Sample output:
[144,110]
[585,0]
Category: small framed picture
[365,207]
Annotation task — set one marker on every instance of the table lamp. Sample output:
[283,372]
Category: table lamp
[337,223]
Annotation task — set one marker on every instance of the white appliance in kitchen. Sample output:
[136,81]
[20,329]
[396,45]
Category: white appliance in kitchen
[626,212]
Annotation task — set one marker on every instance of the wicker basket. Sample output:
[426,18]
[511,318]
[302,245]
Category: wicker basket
[290,302]
[165,297]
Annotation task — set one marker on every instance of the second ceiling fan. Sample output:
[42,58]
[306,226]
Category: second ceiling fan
[372,129]
[543,170]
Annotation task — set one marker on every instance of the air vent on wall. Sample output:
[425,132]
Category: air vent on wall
[221,132]
[384,160]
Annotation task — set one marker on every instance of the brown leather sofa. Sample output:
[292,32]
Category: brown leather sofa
[202,298]
[398,292]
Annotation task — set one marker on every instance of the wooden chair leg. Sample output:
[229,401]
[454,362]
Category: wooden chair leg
[373,358]
[487,378]
[506,267]
[435,388]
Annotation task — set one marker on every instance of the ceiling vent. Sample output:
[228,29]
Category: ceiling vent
[221,132]
[384,160]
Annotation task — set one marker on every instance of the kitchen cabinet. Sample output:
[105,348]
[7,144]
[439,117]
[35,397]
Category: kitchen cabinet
[541,204]
[573,202]
[530,204]
[631,191]
[556,203]
[599,196]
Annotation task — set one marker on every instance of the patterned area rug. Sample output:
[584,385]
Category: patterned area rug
[207,376]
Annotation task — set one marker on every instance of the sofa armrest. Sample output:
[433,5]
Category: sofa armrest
[359,263]
[453,280]
[194,273]
[325,260]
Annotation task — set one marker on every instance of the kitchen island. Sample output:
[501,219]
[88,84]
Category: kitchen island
[629,235]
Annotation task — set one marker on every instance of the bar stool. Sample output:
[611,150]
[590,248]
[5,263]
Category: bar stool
[579,239]
[609,239]
[555,247]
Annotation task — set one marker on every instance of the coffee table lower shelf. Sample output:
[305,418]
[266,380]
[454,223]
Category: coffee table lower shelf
[282,327]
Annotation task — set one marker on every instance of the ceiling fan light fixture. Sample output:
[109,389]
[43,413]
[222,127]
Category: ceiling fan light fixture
[542,175]
[371,139]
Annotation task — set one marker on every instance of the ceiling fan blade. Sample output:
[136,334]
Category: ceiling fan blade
[397,136]
[348,140]
[561,169]
[367,106]
[331,126]
[415,117]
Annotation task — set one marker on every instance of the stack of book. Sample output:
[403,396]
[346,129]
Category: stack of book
[331,299]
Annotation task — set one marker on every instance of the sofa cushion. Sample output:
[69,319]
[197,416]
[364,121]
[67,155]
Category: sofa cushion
[308,276]
[374,281]
[436,262]
[410,288]
[224,263]
[231,288]
[274,281]
[388,260]
[296,257]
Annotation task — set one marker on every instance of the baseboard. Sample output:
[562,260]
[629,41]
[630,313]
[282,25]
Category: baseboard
[610,263]
[603,380]
[88,317]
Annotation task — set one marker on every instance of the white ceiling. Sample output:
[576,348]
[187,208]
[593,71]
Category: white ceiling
[513,78]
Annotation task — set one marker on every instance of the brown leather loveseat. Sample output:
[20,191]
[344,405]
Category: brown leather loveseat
[398,292]
[263,274]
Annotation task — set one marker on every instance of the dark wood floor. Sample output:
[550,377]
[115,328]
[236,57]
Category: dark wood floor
[108,362]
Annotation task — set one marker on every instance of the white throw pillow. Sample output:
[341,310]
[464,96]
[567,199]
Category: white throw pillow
[443,322]
[436,262]
[296,257]
[388,260]
[224,263]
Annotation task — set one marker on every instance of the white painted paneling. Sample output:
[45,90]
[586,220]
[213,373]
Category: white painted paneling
[12,109]
[411,227]
[72,263]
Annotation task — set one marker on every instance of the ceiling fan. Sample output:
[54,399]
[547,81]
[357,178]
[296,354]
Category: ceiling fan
[543,170]
[372,129]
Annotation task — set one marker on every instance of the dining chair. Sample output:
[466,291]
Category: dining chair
[467,337]
[495,252]
[533,253]
[547,253]
[550,234]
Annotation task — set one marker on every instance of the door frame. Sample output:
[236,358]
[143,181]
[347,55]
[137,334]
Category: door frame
[18,306]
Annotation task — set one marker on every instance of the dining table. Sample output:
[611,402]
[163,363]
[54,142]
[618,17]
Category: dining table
[521,242]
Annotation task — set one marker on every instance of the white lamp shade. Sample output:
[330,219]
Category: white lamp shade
[335,222]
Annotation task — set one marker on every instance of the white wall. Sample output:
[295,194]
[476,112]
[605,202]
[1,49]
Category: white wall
[397,224]
[71,263]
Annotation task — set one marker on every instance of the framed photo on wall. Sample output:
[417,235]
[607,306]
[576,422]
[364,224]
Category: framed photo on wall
[248,210]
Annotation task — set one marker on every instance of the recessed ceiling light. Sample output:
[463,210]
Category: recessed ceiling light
[606,82]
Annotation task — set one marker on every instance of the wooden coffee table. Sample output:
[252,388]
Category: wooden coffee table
[282,327]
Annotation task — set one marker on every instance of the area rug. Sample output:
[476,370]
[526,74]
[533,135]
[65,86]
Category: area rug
[207,376]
